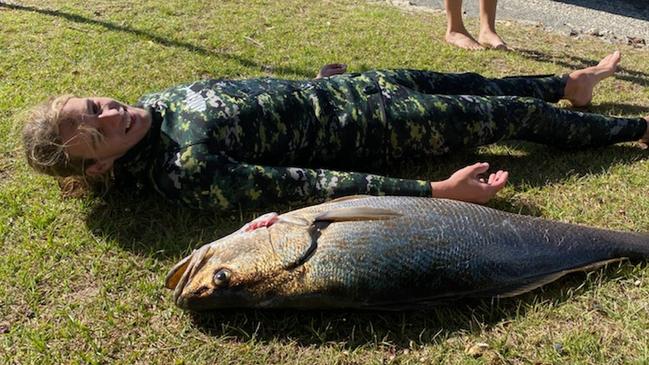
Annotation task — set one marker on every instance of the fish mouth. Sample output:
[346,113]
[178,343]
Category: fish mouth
[197,261]
[187,296]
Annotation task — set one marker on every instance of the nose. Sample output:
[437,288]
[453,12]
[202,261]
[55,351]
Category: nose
[111,117]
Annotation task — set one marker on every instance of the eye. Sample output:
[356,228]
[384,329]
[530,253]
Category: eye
[95,108]
[222,277]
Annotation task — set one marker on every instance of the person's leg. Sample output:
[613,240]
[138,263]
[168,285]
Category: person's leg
[545,87]
[577,87]
[456,33]
[421,125]
[488,34]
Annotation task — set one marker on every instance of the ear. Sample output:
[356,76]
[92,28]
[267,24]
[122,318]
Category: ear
[99,167]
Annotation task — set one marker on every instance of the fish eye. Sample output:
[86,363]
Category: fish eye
[222,277]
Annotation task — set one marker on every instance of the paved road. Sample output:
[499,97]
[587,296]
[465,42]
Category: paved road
[616,20]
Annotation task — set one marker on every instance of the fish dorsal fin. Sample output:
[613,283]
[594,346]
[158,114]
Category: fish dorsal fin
[176,272]
[348,197]
[296,221]
[546,279]
[356,214]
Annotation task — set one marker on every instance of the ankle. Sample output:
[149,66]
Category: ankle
[457,31]
[488,31]
[577,90]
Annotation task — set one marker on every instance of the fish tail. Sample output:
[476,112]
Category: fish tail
[634,245]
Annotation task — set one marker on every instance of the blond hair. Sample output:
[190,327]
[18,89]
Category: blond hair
[45,151]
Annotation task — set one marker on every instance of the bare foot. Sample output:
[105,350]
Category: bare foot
[490,39]
[580,84]
[462,40]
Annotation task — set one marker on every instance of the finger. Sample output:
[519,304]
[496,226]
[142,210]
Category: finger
[492,178]
[478,168]
[504,176]
[246,228]
[501,180]
[497,176]
[495,186]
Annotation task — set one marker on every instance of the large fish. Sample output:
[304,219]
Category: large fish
[390,253]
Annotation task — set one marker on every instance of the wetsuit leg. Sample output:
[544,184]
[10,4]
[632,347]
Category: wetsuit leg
[545,87]
[421,124]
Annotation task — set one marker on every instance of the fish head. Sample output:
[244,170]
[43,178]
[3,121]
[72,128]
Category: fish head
[265,267]
[241,270]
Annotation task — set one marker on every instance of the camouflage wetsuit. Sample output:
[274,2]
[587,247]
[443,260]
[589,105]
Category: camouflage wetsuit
[250,143]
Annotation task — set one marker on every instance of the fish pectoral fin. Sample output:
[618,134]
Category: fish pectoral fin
[176,272]
[348,197]
[356,214]
[546,279]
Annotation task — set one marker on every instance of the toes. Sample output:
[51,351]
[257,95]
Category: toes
[611,61]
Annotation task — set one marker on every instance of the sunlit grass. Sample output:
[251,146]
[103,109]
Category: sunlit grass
[81,279]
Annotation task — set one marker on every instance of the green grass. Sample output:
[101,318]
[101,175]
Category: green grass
[81,280]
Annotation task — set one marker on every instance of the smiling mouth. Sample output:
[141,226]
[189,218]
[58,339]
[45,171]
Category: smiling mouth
[129,121]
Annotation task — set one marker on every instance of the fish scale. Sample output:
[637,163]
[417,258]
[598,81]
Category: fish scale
[351,253]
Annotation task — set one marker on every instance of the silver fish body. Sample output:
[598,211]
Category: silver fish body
[391,253]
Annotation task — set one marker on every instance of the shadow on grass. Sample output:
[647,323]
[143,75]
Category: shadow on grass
[156,38]
[542,165]
[619,108]
[637,9]
[147,225]
[532,165]
[572,62]
[395,330]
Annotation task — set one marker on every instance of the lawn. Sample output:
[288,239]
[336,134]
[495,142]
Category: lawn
[81,280]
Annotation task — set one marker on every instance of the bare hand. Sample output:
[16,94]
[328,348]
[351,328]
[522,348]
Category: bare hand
[331,69]
[265,220]
[468,185]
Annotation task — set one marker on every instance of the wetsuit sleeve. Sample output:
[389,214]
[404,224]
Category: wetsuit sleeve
[218,182]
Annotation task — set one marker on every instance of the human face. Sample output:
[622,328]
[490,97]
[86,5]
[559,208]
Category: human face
[118,128]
